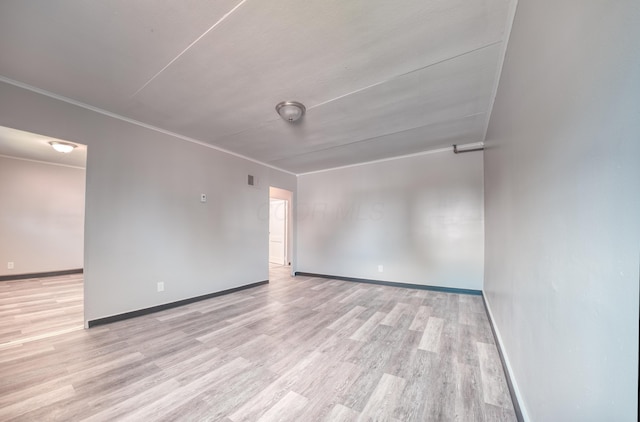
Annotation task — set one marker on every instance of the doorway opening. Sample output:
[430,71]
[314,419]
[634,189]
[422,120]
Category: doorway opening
[278,231]
[42,229]
[280,228]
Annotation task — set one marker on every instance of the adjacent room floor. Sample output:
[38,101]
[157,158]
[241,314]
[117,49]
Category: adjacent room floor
[299,349]
[38,308]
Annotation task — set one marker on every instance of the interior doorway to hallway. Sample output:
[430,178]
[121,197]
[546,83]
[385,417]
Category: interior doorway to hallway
[277,231]
[280,227]
[42,216]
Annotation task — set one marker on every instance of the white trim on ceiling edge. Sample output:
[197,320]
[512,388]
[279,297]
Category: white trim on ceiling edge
[204,144]
[503,54]
[42,162]
[399,157]
[134,122]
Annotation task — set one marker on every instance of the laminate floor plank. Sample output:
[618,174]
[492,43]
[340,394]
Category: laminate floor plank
[363,386]
[353,312]
[421,318]
[469,403]
[399,361]
[19,408]
[366,329]
[443,402]
[419,374]
[114,379]
[332,376]
[337,381]
[495,391]
[289,408]
[263,350]
[194,366]
[131,404]
[341,413]
[300,349]
[86,402]
[394,314]
[382,403]
[431,337]
[195,409]
[18,382]
[235,393]
[304,330]
[183,394]
[271,395]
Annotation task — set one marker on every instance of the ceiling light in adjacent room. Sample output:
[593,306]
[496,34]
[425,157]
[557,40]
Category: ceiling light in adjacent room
[290,110]
[64,147]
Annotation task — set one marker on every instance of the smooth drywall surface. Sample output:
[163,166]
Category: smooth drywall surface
[562,181]
[145,223]
[420,218]
[41,217]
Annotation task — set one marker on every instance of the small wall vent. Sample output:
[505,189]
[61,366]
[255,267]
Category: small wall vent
[250,180]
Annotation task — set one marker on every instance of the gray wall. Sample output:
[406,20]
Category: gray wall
[144,220]
[41,216]
[562,181]
[420,217]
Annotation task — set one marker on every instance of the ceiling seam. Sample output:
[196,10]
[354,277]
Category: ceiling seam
[230,135]
[382,160]
[378,136]
[188,47]
[135,122]
[405,74]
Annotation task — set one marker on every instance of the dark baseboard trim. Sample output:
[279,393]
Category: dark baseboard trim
[40,275]
[393,284]
[140,312]
[512,392]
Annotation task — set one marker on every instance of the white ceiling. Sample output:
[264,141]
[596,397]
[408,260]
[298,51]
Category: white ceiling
[379,78]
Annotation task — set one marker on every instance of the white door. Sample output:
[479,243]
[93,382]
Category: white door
[277,231]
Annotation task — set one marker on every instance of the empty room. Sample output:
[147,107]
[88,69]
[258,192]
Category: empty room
[319,210]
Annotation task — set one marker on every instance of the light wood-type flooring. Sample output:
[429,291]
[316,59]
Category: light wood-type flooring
[297,349]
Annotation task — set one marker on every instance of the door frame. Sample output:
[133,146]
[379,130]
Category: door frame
[287,195]
[285,232]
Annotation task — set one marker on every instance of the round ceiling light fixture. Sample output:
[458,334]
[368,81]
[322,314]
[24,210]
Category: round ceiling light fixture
[63,147]
[290,110]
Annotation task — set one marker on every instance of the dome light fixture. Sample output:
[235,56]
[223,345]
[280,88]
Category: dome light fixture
[63,147]
[290,111]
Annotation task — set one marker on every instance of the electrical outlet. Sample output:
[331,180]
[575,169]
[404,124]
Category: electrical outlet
[10,265]
[380,268]
[161,286]
[203,197]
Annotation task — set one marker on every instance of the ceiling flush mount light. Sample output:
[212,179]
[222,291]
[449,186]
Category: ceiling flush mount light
[63,147]
[291,110]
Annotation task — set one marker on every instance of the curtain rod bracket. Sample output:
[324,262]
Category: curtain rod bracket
[460,151]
